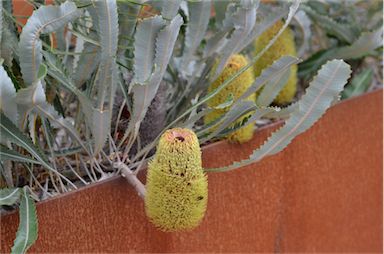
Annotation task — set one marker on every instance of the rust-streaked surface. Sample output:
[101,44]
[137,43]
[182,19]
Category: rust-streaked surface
[323,193]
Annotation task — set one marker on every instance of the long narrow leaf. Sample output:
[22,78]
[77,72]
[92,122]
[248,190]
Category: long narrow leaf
[7,96]
[320,94]
[272,89]
[199,14]
[27,233]
[365,44]
[143,94]
[46,19]
[9,196]
[7,154]
[145,39]
[359,84]
[243,20]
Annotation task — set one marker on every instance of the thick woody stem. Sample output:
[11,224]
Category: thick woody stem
[131,178]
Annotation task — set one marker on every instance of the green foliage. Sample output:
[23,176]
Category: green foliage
[61,74]
[343,30]
[359,84]
[330,80]
[27,233]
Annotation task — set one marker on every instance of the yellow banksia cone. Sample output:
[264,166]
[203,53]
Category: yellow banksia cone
[284,45]
[237,87]
[177,187]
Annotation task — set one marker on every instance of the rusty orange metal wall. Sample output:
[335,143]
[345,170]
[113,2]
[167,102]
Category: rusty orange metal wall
[322,194]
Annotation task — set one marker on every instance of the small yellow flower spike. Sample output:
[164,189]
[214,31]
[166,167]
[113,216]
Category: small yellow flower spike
[284,45]
[177,187]
[237,87]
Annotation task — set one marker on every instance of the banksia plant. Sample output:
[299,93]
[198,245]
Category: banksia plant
[177,187]
[60,100]
[237,87]
[284,45]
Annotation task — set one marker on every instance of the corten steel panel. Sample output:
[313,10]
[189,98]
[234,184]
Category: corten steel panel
[322,193]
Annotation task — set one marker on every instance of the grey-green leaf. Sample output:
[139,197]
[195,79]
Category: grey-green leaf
[318,97]
[366,43]
[199,14]
[7,154]
[272,89]
[168,8]
[342,31]
[27,233]
[278,68]
[7,96]
[305,26]
[359,84]
[127,22]
[143,94]
[9,196]
[9,132]
[268,18]
[145,39]
[46,19]
[243,20]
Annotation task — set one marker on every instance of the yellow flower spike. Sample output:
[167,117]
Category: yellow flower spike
[237,87]
[177,187]
[284,45]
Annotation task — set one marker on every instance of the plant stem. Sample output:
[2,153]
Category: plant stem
[131,178]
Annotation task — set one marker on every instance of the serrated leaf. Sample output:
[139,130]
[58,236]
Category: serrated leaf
[7,154]
[342,31]
[107,30]
[145,39]
[305,26]
[277,68]
[366,43]
[98,119]
[359,84]
[216,42]
[272,89]
[199,14]
[27,232]
[87,64]
[27,98]
[46,19]
[314,62]
[8,46]
[318,97]
[7,96]
[101,128]
[143,94]
[9,196]
[128,13]
[269,16]
[168,9]
[9,39]
[243,21]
